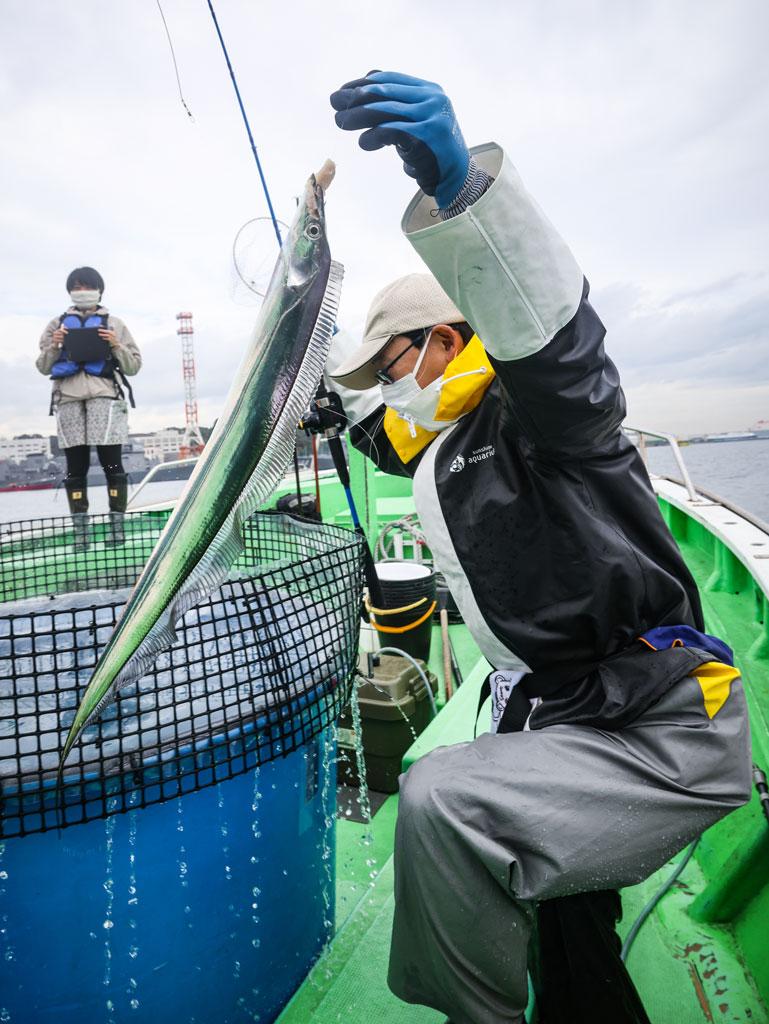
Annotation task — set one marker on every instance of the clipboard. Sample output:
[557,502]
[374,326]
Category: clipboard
[84,345]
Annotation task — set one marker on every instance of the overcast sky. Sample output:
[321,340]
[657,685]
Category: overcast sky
[640,127]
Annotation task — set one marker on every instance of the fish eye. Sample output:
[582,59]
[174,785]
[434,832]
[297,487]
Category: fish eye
[313,231]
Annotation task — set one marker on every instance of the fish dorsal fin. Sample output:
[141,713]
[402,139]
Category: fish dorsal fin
[227,546]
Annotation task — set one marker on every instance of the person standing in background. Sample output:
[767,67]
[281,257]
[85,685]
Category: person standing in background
[88,399]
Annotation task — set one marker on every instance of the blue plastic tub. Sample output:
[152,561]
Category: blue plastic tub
[198,910]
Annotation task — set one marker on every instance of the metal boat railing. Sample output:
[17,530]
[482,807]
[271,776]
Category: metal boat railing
[306,474]
[156,471]
[672,441]
[696,496]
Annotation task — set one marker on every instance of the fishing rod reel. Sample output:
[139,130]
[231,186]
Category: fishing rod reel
[327,418]
[326,415]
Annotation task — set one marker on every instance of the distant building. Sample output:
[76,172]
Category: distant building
[160,445]
[18,448]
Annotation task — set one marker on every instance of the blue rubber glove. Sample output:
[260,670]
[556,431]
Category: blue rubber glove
[414,116]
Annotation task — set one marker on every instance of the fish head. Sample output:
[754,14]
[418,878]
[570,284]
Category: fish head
[306,249]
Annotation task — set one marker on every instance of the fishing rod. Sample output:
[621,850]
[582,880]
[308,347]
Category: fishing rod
[327,417]
[326,409]
[248,126]
[262,178]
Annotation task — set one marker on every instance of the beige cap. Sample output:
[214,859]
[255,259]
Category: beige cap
[411,302]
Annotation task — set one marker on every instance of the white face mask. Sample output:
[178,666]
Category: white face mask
[415,404]
[85,298]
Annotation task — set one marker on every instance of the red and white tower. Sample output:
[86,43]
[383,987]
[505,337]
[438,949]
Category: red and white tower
[192,441]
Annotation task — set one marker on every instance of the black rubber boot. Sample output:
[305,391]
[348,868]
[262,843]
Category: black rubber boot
[77,497]
[580,977]
[117,489]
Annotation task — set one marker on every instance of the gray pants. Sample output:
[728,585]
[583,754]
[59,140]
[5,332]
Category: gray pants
[487,828]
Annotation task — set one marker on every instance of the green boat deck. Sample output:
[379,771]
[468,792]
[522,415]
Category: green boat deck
[686,970]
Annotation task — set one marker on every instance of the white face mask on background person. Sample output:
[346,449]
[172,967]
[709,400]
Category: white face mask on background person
[415,404]
[85,298]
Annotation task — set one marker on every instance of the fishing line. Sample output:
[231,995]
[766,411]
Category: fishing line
[376,426]
[348,492]
[248,127]
[173,58]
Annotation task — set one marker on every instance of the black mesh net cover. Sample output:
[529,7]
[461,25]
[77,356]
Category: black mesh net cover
[259,667]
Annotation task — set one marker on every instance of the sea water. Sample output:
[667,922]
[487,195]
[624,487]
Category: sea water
[737,471]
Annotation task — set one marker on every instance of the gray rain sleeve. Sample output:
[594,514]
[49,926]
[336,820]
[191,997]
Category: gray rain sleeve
[519,286]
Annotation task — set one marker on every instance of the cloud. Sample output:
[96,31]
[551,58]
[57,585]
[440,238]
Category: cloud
[687,409]
[640,128]
[718,333]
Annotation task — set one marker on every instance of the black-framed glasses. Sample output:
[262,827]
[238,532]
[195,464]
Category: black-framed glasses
[416,340]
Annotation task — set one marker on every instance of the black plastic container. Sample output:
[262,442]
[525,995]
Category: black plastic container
[408,593]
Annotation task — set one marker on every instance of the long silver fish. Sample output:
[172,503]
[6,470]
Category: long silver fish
[243,462]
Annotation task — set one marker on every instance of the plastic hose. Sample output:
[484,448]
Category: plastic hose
[759,781]
[420,670]
[642,917]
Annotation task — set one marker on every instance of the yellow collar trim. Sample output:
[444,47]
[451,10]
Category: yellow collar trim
[457,398]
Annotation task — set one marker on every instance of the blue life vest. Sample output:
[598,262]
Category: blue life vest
[65,367]
[109,367]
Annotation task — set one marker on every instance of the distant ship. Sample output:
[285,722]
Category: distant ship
[33,485]
[732,435]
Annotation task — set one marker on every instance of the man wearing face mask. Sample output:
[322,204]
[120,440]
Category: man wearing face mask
[88,398]
[540,514]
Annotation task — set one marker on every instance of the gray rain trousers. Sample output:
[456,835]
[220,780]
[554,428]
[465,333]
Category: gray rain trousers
[487,828]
